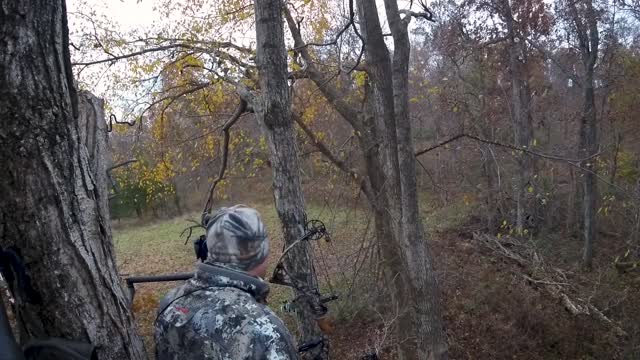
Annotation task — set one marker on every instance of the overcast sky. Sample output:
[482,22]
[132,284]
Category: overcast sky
[128,13]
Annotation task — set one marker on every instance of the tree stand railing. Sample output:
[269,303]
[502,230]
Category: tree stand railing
[132,280]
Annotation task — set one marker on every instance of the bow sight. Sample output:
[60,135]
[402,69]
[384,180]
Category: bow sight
[314,230]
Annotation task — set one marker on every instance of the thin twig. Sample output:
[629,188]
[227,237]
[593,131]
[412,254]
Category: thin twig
[338,35]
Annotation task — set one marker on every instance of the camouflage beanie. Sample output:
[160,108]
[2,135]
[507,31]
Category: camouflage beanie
[237,238]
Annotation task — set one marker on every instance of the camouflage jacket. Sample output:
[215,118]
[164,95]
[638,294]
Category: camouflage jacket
[220,314]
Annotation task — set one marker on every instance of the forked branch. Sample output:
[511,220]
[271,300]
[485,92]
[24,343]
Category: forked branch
[348,112]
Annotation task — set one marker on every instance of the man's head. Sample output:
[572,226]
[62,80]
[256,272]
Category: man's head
[237,238]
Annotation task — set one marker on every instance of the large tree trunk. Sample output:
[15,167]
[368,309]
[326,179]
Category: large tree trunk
[585,21]
[51,210]
[408,259]
[588,142]
[427,319]
[274,114]
[521,116]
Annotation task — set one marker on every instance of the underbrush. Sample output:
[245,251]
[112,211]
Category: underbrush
[493,312]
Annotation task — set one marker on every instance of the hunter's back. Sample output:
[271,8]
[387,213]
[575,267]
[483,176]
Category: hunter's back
[216,316]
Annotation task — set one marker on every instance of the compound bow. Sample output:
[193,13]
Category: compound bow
[308,293]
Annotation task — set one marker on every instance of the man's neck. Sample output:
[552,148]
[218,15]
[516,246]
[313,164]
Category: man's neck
[216,273]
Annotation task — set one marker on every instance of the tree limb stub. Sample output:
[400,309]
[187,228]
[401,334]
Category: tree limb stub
[225,153]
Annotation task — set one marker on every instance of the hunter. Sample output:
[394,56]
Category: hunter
[221,313]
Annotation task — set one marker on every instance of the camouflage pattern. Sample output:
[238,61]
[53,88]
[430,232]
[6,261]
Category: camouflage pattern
[236,237]
[220,314]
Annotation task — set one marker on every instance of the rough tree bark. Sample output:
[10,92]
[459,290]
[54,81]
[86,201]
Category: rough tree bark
[94,136]
[51,210]
[273,110]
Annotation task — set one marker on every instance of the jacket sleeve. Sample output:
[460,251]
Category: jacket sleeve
[272,340]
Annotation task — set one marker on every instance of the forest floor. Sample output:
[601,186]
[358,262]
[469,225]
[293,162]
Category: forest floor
[492,308]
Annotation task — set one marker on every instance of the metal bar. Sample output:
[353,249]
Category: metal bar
[158,278]
[153,278]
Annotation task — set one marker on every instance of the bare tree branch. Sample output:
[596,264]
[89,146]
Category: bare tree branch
[573,162]
[213,49]
[124,163]
[174,97]
[420,15]
[225,153]
[332,42]
[508,146]
[440,144]
[324,150]
[133,54]
[493,41]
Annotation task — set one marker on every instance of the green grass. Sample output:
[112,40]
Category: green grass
[154,248]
